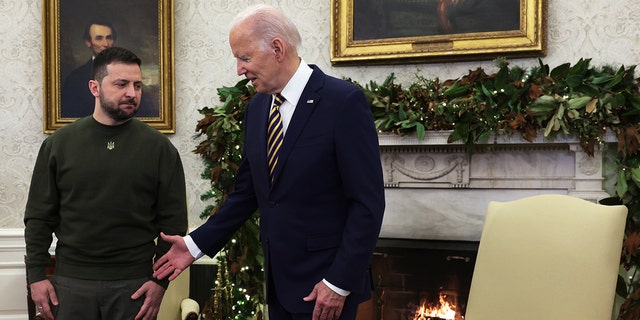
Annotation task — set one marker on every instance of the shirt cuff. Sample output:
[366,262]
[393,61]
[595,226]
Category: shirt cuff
[337,290]
[193,247]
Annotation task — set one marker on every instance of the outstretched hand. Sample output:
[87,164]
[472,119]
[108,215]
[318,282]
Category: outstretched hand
[176,260]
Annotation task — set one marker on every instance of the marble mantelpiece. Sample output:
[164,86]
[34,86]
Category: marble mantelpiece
[437,191]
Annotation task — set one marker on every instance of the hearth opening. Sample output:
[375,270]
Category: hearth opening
[420,280]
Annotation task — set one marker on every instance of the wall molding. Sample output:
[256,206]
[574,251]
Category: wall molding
[13,297]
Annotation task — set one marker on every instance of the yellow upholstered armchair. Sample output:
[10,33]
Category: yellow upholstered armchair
[552,257]
[176,303]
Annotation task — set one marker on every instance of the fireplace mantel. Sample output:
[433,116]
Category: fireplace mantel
[437,191]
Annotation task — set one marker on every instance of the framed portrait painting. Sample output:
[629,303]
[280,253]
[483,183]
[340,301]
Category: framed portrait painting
[418,31]
[75,31]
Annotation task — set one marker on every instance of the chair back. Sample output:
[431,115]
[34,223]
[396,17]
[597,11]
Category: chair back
[552,257]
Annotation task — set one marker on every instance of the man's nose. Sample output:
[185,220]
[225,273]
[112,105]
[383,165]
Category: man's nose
[106,42]
[240,70]
[131,90]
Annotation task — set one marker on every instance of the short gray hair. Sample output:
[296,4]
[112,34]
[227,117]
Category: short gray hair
[270,23]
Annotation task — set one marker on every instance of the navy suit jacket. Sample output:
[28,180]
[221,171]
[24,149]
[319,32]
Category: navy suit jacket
[321,217]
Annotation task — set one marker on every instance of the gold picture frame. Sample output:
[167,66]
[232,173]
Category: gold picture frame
[143,26]
[422,31]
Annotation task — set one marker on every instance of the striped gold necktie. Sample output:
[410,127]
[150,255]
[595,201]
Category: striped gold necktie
[275,134]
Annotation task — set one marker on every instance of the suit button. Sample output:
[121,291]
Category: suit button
[272,204]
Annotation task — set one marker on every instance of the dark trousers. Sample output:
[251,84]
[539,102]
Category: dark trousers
[96,299]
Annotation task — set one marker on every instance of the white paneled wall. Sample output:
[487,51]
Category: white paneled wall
[13,289]
[605,31]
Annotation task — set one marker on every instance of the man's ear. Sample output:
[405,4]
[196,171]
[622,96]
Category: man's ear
[88,43]
[94,87]
[278,48]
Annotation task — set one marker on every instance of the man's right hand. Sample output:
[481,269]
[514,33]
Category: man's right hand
[43,295]
[176,260]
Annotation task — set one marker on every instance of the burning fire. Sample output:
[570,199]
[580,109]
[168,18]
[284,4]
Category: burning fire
[443,310]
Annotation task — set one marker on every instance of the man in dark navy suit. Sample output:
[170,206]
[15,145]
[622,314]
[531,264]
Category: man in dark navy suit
[321,203]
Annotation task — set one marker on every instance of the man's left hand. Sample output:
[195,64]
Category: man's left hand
[328,303]
[152,293]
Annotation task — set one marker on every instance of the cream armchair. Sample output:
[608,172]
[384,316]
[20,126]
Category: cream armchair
[551,257]
[176,303]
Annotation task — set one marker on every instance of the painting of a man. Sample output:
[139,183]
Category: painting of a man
[77,101]
[87,28]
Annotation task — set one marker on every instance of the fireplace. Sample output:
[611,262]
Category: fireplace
[410,274]
[437,194]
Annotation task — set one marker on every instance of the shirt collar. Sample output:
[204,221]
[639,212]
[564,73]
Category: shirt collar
[293,90]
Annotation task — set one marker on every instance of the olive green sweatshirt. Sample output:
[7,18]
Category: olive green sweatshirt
[106,192]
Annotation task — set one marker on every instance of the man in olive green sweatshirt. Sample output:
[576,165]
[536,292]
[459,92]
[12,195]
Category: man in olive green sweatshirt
[106,185]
